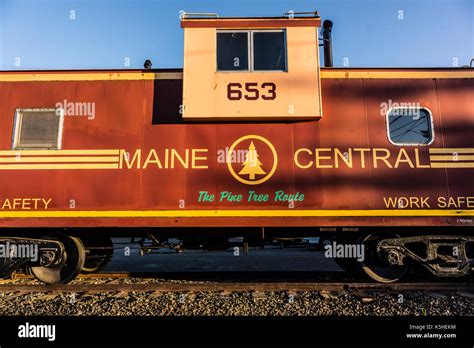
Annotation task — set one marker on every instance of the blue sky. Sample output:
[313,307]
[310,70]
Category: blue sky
[40,34]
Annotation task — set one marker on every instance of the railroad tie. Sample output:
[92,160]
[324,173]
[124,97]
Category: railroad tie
[225,294]
[258,295]
[328,295]
[363,296]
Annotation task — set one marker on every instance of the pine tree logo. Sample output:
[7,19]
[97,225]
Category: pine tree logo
[252,165]
[251,171]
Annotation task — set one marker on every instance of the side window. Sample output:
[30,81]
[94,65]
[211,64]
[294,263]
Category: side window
[269,51]
[251,50]
[38,129]
[410,126]
[233,51]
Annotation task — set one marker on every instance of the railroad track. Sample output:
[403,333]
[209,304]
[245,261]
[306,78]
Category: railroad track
[232,287]
[114,287]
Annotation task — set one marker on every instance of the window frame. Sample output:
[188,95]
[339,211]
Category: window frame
[404,108]
[17,129]
[250,52]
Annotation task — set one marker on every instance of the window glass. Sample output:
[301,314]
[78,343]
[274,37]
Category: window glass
[409,126]
[232,51]
[37,129]
[269,51]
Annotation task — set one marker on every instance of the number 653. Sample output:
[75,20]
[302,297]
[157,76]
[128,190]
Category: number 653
[251,91]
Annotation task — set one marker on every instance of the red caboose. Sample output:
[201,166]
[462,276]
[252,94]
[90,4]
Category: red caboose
[252,139]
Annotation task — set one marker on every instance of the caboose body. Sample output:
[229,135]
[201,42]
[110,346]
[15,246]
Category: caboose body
[264,144]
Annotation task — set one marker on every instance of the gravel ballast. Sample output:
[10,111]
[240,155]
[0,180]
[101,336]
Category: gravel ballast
[235,304]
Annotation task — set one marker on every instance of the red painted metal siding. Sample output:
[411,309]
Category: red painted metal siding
[125,113]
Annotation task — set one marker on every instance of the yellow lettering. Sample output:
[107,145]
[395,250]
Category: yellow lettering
[149,159]
[36,200]
[46,203]
[414,201]
[381,158]
[362,155]
[406,158]
[196,158]
[424,202]
[441,202]
[26,204]
[417,160]
[126,156]
[451,202]
[175,154]
[297,162]
[6,204]
[403,202]
[470,202]
[346,158]
[319,158]
[16,202]
[390,202]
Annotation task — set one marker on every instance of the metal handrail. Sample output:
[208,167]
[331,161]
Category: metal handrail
[294,14]
[185,15]
[197,15]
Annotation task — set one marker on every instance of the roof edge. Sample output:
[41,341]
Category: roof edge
[251,22]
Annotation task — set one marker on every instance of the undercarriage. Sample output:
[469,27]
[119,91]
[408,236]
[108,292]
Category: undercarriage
[387,256]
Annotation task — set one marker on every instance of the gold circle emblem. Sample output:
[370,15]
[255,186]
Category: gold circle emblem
[252,164]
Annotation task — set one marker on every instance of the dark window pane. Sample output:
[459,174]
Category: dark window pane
[167,101]
[410,126]
[232,51]
[269,51]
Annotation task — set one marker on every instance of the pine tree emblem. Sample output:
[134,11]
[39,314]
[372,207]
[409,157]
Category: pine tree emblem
[252,165]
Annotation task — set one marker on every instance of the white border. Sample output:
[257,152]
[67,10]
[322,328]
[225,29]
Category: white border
[409,144]
[17,128]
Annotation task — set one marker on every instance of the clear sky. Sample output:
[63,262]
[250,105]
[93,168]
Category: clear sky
[80,34]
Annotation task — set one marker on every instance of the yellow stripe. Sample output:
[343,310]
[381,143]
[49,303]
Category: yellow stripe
[137,76]
[452,165]
[230,213]
[451,158]
[58,152]
[452,150]
[348,74]
[122,76]
[58,166]
[24,159]
[115,76]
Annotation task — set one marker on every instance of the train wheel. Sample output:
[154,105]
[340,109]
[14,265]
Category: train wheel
[99,252]
[71,265]
[376,265]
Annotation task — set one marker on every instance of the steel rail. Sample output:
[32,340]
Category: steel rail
[231,287]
